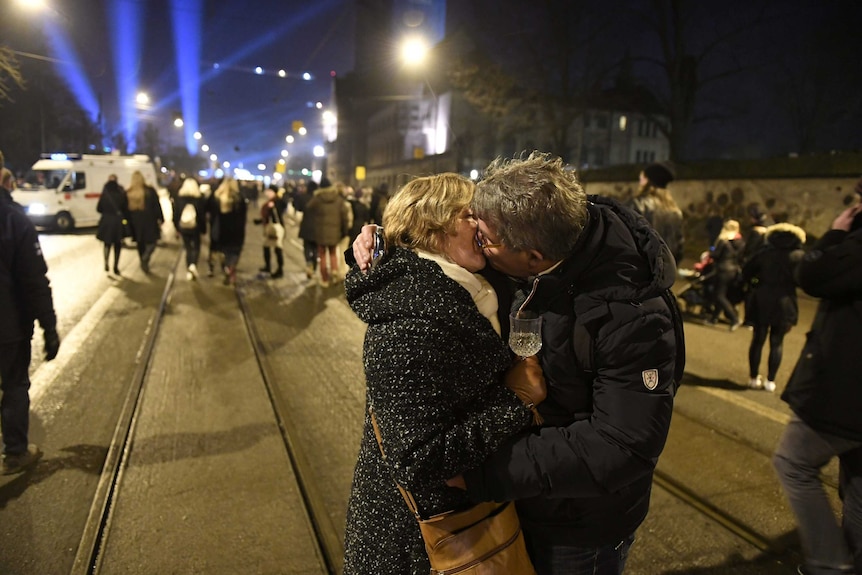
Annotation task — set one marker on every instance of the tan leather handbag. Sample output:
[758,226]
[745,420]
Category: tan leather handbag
[483,540]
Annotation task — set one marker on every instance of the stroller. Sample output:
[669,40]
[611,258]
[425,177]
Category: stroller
[697,294]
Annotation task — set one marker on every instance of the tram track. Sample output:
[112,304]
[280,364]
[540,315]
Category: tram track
[97,529]
[98,520]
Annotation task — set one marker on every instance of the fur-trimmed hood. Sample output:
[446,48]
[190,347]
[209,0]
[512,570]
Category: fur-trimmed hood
[786,236]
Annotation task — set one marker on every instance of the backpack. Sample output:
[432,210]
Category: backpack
[189,217]
[583,342]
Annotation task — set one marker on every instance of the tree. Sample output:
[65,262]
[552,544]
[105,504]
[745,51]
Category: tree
[696,50]
[551,59]
[10,73]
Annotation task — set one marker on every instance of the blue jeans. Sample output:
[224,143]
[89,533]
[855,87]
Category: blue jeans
[554,559]
[15,405]
[801,453]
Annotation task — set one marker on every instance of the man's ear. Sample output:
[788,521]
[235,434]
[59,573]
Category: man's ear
[536,262]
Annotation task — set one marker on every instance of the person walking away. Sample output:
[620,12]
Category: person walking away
[754,240]
[726,255]
[113,208]
[824,394]
[655,203]
[190,221]
[146,217]
[442,382]
[272,217]
[304,193]
[361,206]
[772,307]
[228,228]
[330,217]
[25,296]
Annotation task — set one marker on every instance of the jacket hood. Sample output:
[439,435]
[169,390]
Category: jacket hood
[618,257]
[328,195]
[785,236]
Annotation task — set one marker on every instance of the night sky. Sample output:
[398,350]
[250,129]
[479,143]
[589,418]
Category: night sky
[802,61]
[243,116]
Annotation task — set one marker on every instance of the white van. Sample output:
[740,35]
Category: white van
[61,191]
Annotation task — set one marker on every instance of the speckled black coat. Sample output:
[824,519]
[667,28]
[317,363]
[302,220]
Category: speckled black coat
[433,368]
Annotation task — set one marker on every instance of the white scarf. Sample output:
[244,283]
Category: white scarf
[478,287]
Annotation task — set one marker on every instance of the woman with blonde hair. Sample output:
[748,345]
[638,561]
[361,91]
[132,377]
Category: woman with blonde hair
[146,217]
[444,389]
[227,225]
[727,258]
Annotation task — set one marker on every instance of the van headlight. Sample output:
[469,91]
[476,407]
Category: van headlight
[36,209]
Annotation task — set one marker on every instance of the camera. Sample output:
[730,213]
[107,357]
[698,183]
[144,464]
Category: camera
[379,246]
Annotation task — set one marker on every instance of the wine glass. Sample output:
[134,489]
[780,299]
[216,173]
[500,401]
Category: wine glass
[525,333]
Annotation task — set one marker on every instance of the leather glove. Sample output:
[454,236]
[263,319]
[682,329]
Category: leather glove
[526,379]
[52,343]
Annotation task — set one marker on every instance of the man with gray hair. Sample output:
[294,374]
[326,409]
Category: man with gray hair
[612,354]
[25,295]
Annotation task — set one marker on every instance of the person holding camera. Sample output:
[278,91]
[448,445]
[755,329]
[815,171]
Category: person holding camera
[823,393]
[25,295]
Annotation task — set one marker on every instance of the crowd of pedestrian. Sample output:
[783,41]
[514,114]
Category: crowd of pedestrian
[572,434]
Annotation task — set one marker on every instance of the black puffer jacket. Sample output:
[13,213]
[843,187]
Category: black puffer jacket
[584,479]
[25,293]
[433,367]
[825,389]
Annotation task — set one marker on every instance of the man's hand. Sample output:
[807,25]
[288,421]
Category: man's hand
[52,343]
[526,379]
[363,245]
[458,482]
[845,219]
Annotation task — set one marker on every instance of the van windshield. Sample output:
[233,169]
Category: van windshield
[43,179]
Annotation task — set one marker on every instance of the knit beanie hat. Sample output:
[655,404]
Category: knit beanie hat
[659,175]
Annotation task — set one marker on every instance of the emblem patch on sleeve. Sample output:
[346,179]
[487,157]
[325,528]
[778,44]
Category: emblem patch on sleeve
[650,377]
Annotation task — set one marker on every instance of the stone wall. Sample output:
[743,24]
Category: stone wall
[811,203]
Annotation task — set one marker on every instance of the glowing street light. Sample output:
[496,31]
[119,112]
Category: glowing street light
[213,157]
[205,148]
[414,51]
[284,153]
[289,139]
[282,74]
[178,122]
[302,131]
[197,136]
[225,164]
[318,151]
[142,99]
[261,167]
[33,4]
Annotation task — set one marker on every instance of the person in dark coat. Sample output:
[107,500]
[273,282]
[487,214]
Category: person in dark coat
[435,370]
[114,209]
[588,265]
[146,217]
[655,203]
[772,307]
[361,206]
[228,209]
[304,193]
[190,222]
[25,296]
[726,256]
[824,394]
[755,239]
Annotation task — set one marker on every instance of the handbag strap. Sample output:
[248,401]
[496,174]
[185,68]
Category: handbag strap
[408,497]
